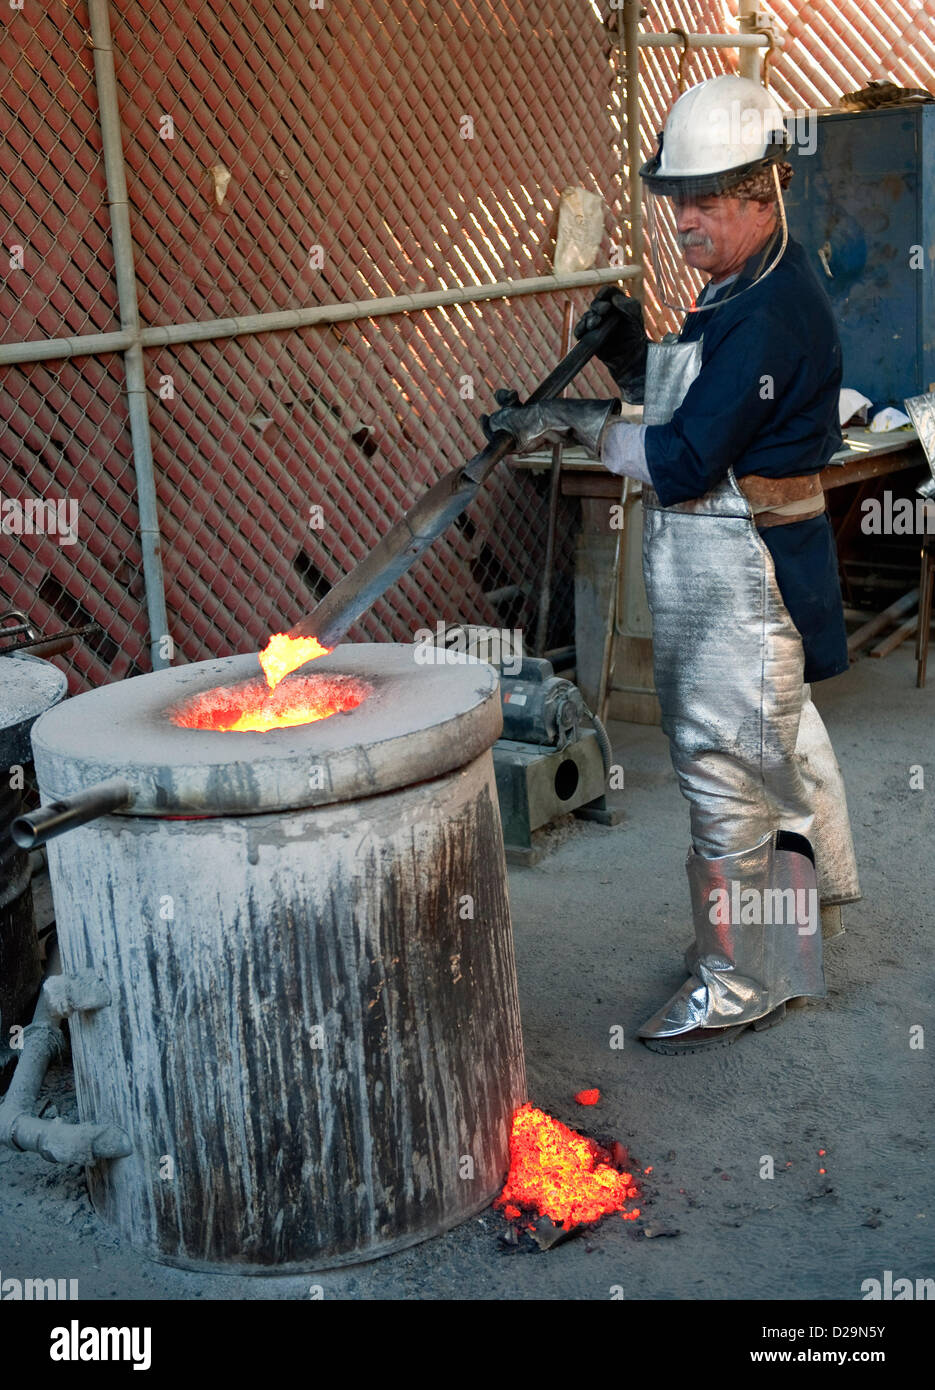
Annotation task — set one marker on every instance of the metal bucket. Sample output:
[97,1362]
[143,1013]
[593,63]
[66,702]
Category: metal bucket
[28,687]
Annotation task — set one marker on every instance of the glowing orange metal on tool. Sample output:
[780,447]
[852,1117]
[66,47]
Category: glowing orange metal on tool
[283,654]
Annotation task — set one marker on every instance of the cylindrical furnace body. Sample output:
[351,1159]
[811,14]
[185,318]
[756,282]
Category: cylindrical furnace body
[313,1039]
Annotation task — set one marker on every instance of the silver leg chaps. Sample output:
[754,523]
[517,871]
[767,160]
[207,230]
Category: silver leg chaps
[751,755]
[826,822]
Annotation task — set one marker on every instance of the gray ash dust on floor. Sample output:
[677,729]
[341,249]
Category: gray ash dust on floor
[734,1138]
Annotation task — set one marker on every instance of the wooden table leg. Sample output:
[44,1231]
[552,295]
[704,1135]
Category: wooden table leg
[927,581]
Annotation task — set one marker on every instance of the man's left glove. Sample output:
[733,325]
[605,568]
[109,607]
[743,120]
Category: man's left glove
[550,422]
[624,352]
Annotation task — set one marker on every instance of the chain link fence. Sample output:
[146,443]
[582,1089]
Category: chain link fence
[281,156]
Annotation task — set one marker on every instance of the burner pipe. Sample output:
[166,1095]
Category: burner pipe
[35,829]
[58,1141]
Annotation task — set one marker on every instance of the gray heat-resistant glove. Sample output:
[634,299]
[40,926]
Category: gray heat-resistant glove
[550,422]
[624,352]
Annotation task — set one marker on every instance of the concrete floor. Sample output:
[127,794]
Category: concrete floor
[600,925]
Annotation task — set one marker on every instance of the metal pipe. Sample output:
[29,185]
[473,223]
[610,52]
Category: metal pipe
[43,1042]
[629,32]
[56,1140]
[125,275]
[748,64]
[375,308]
[607,658]
[167,335]
[53,349]
[555,479]
[745,42]
[51,645]
[37,827]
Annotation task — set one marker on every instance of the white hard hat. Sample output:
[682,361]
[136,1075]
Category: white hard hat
[716,134]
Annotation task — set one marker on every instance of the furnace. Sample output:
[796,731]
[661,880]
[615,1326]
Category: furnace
[310,1039]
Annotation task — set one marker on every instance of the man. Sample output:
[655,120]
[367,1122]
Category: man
[740,414]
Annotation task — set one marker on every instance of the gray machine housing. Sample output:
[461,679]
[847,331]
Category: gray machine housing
[546,764]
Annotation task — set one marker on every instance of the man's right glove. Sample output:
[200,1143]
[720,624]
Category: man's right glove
[624,352]
[550,422]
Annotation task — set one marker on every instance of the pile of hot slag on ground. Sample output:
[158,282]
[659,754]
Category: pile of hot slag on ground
[558,1173]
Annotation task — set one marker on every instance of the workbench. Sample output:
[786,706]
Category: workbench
[865,457]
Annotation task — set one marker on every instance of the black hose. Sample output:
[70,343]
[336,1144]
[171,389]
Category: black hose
[603,742]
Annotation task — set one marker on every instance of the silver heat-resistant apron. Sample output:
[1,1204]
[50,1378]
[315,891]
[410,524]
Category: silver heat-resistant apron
[748,745]
[749,749]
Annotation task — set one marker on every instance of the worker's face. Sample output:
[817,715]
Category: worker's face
[718,233]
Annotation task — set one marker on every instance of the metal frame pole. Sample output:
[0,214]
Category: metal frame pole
[748,57]
[131,339]
[629,32]
[285,320]
[745,42]
[125,274]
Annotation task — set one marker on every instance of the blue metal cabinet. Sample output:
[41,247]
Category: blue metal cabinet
[863,205]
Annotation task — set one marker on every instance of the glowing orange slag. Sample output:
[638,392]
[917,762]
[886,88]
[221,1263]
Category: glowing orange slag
[283,654]
[588,1097]
[558,1173]
[252,707]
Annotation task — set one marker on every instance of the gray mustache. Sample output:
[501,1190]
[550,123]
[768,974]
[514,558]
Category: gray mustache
[688,239]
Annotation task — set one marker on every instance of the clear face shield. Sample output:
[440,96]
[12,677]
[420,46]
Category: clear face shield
[698,238]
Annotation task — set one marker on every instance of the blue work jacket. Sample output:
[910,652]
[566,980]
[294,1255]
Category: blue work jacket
[766,401]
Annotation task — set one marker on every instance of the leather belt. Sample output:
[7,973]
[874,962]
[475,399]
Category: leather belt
[781,501]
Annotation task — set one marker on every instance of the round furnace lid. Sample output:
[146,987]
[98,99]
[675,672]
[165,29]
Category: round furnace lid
[419,722]
[28,687]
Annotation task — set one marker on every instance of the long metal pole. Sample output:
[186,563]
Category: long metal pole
[52,349]
[748,58]
[125,275]
[630,21]
[748,42]
[555,483]
[166,335]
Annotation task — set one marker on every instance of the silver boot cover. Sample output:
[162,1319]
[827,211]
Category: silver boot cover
[828,827]
[757,937]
